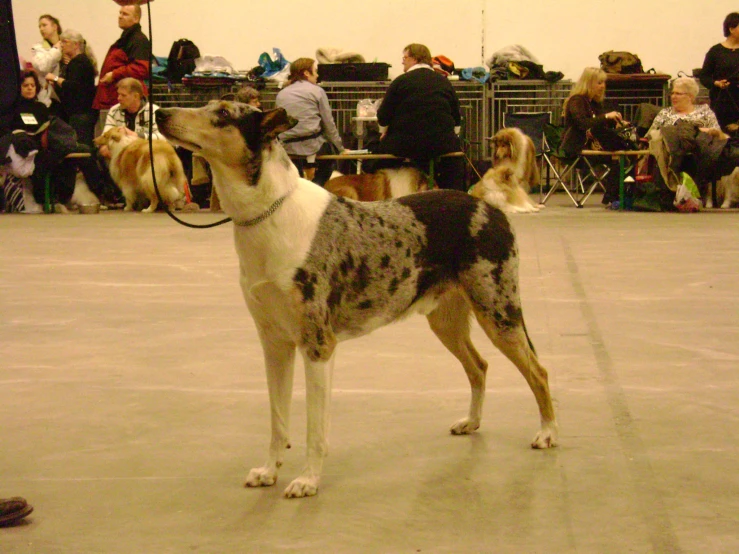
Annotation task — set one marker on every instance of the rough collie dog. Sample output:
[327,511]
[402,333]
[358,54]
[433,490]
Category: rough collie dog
[384,184]
[317,269]
[513,147]
[727,188]
[131,170]
[500,187]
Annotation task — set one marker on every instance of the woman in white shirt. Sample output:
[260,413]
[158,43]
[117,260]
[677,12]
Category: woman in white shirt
[47,55]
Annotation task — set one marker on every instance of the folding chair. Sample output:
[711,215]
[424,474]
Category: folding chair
[554,157]
[532,125]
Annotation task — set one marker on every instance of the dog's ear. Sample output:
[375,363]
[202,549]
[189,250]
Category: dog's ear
[275,122]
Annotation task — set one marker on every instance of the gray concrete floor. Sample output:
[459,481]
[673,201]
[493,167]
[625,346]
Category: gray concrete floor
[133,399]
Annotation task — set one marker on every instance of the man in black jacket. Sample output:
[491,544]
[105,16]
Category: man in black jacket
[421,115]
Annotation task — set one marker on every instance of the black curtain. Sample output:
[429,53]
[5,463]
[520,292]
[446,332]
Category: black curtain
[9,66]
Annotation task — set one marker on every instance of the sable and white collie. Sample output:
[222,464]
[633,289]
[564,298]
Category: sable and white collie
[511,146]
[384,184]
[317,269]
[131,170]
[501,188]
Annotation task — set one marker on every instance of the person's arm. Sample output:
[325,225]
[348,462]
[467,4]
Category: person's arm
[708,70]
[659,121]
[389,105]
[581,115]
[155,134]
[327,121]
[71,86]
[710,120]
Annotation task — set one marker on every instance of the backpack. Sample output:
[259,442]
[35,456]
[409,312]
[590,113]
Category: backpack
[181,60]
[620,62]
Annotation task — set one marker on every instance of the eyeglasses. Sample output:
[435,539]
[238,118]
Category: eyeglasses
[679,93]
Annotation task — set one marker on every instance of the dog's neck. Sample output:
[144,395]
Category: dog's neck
[246,200]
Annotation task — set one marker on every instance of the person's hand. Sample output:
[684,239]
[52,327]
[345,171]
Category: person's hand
[723,83]
[344,152]
[50,77]
[107,78]
[66,58]
[104,151]
[615,116]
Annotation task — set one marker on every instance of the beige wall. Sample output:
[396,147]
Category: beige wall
[566,35]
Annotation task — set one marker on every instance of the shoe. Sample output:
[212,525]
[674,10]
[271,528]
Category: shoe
[13,509]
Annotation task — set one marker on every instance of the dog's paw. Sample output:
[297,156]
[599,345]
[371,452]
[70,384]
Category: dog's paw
[547,437]
[148,210]
[465,426]
[261,477]
[302,486]
[128,209]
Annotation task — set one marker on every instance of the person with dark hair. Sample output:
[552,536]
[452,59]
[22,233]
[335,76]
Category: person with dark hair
[316,131]
[720,73]
[419,119]
[128,57]
[30,115]
[47,56]
[75,85]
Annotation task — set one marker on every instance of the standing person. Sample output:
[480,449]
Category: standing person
[75,85]
[720,73]
[47,56]
[584,111]
[128,57]
[419,118]
[316,131]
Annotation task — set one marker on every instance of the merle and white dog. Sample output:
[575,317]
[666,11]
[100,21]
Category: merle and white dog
[317,269]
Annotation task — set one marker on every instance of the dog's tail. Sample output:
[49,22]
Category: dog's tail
[170,177]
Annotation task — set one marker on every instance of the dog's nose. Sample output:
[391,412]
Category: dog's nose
[162,114]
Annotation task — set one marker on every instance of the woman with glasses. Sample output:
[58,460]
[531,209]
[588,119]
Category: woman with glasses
[683,107]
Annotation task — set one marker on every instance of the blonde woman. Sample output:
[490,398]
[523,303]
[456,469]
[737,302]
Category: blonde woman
[47,55]
[75,86]
[584,111]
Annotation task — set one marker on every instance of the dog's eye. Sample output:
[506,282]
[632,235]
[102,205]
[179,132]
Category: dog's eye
[223,112]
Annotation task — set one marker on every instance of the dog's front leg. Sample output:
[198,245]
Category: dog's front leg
[279,356]
[318,377]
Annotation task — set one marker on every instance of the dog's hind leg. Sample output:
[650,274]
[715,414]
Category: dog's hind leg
[318,377]
[513,341]
[279,356]
[450,321]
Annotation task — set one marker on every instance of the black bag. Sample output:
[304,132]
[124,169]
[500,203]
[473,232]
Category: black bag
[620,62]
[181,60]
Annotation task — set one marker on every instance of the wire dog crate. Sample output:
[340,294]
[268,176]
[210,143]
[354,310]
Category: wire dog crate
[625,92]
[526,96]
[482,106]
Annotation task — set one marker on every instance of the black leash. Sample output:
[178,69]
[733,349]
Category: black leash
[151,143]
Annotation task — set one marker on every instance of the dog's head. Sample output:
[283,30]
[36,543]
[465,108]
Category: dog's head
[505,146]
[223,130]
[111,136]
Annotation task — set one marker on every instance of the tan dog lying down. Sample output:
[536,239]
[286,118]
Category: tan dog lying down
[130,168]
[381,185]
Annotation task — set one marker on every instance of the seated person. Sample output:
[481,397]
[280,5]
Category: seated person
[30,115]
[316,131]
[131,112]
[583,112]
[421,117]
[683,107]
[697,144]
